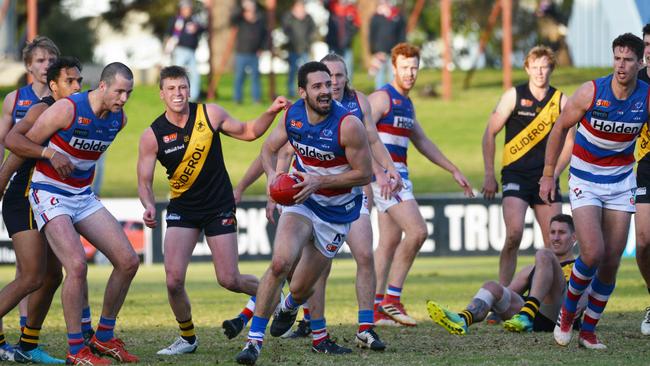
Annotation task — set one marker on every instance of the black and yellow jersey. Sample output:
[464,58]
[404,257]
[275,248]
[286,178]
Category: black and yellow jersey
[527,130]
[643,142]
[193,157]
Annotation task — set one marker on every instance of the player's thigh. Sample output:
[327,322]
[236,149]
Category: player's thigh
[294,231]
[544,214]
[514,214]
[225,254]
[106,234]
[642,224]
[178,246]
[389,230]
[360,238]
[65,242]
[407,216]
[311,266]
[31,251]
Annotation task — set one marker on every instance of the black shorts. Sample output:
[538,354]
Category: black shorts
[212,224]
[17,215]
[643,182]
[525,187]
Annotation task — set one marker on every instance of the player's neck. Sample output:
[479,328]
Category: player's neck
[538,92]
[41,90]
[97,104]
[402,91]
[623,91]
[314,118]
[178,119]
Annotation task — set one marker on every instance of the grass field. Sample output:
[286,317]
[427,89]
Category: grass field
[147,324]
[456,126]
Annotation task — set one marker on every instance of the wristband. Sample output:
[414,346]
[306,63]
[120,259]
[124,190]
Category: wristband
[549,171]
[43,152]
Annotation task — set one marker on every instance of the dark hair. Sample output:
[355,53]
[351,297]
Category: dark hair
[630,41]
[39,42]
[334,57]
[564,218]
[63,62]
[646,29]
[112,70]
[172,72]
[308,68]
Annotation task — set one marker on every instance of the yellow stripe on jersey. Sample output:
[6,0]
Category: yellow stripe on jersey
[195,155]
[535,132]
[643,143]
[566,270]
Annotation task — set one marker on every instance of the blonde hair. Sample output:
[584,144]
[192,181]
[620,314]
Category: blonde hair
[540,51]
[39,42]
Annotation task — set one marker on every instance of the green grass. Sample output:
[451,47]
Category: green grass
[456,126]
[147,324]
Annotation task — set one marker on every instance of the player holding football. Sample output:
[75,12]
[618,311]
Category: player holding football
[402,230]
[359,238]
[545,282]
[312,231]
[186,141]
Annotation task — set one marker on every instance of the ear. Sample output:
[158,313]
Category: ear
[161,95]
[302,92]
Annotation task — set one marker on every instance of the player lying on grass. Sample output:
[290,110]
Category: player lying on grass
[545,282]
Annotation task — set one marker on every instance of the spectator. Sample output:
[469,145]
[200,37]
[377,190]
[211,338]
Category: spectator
[185,30]
[342,25]
[387,28]
[252,38]
[300,29]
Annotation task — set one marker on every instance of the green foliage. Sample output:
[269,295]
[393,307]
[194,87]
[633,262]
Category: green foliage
[73,37]
[147,324]
[160,12]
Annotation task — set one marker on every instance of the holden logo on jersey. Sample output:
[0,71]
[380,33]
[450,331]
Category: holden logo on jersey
[615,126]
[403,122]
[312,152]
[84,121]
[89,144]
[170,138]
[602,103]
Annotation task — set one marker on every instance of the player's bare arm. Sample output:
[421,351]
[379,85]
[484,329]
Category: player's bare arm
[57,117]
[147,150]
[253,173]
[274,142]
[245,131]
[357,152]
[6,120]
[565,156]
[575,108]
[382,165]
[431,151]
[495,124]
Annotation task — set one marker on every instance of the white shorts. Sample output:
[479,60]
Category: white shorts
[328,237]
[47,205]
[384,204]
[617,196]
[364,206]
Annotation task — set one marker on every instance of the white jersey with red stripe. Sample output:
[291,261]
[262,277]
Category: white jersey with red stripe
[83,141]
[319,152]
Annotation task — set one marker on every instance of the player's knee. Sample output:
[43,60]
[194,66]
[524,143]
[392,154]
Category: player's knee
[544,257]
[175,284]
[513,239]
[419,234]
[128,265]
[30,282]
[642,241]
[280,267]
[229,282]
[493,287]
[365,260]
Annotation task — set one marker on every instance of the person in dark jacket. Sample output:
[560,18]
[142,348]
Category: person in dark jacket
[387,28]
[342,25]
[252,38]
[299,28]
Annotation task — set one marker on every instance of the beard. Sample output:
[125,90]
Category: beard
[314,104]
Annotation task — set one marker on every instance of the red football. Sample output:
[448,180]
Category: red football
[282,190]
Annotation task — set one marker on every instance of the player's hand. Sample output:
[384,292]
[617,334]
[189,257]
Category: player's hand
[149,217]
[463,183]
[237,194]
[384,183]
[61,164]
[279,104]
[396,183]
[547,189]
[271,206]
[309,185]
[490,187]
